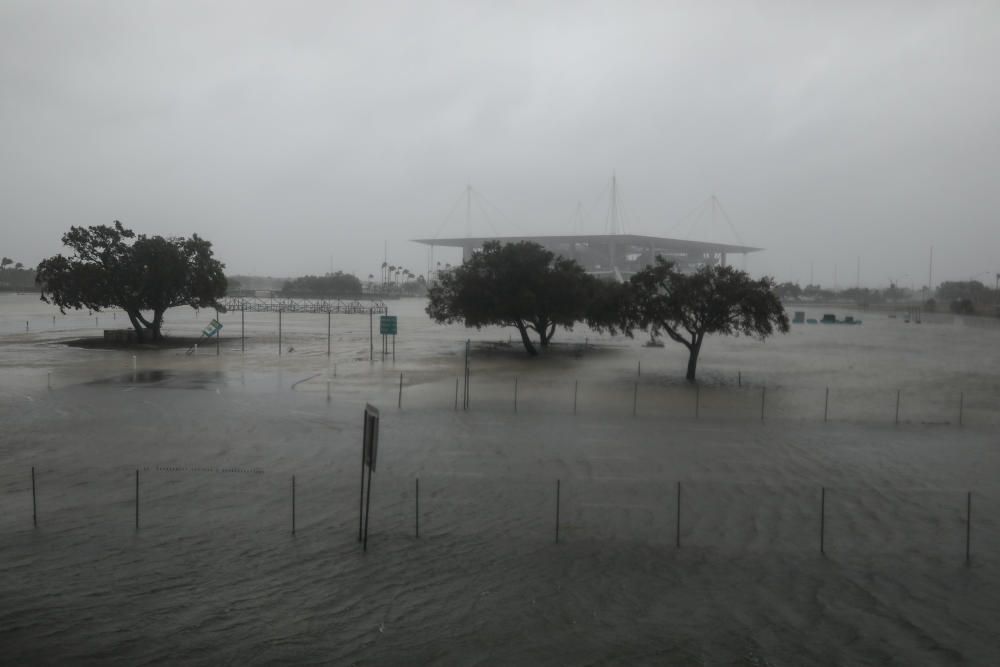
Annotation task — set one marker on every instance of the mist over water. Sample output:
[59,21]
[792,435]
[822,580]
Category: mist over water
[214,573]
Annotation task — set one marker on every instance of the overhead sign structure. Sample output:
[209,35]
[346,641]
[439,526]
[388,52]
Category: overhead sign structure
[387,325]
[369,456]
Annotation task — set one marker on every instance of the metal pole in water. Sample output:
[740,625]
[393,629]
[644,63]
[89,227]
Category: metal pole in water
[293,504]
[328,391]
[515,394]
[961,407]
[279,333]
[826,405]
[361,507]
[49,380]
[368,507]
[558,485]
[399,404]
[677,523]
[898,392]
[456,394]
[371,335]
[763,394]
[822,520]
[329,322]
[697,400]
[635,398]
[243,330]
[739,378]
[576,389]
[416,516]
[638,369]
[137,499]
[34,501]
[968,527]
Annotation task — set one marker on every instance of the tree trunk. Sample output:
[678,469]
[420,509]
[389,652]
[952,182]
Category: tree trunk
[157,323]
[140,335]
[526,340]
[693,351]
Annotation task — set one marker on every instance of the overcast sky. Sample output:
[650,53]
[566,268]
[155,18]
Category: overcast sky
[296,136]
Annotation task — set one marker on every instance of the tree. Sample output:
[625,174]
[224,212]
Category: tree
[332,284]
[18,266]
[5,262]
[712,300]
[522,285]
[148,274]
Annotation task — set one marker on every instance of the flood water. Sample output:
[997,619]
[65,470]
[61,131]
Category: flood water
[689,520]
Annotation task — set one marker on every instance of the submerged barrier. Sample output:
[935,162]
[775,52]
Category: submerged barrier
[690,513]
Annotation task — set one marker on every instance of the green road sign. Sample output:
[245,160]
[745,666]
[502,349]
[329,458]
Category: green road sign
[387,325]
[213,328]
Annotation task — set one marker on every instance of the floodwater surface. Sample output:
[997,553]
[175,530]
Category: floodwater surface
[808,503]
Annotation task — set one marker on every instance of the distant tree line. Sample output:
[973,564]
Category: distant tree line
[963,297]
[329,285]
[527,287]
[16,277]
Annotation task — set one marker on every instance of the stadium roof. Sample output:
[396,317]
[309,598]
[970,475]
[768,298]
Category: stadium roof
[658,242]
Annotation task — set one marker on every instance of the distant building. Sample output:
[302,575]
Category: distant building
[615,256]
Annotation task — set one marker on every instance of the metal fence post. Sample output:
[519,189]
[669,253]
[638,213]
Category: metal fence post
[293,504]
[137,499]
[961,407]
[576,389]
[898,393]
[416,516]
[826,405]
[34,501]
[399,403]
[635,399]
[515,394]
[763,395]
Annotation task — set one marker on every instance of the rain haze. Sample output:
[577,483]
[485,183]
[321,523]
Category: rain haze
[300,136]
[391,373]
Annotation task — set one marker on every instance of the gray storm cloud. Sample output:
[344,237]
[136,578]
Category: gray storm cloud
[296,135]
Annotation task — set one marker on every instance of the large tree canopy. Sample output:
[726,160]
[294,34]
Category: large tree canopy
[522,285]
[687,307]
[148,274]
